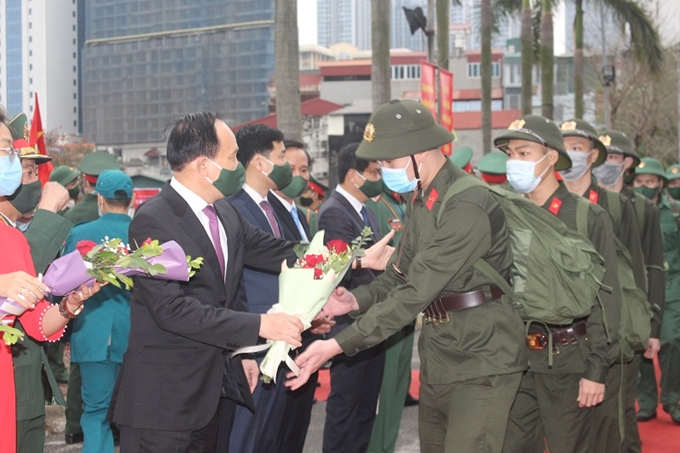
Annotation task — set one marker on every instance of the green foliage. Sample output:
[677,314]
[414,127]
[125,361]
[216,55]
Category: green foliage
[10,335]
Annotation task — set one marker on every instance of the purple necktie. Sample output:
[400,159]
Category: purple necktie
[215,233]
[267,208]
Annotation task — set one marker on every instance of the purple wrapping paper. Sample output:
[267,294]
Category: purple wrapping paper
[69,272]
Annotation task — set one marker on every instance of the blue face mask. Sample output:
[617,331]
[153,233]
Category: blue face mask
[10,175]
[396,179]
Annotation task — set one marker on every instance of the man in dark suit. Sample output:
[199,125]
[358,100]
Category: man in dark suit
[298,404]
[355,381]
[261,152]
[174,370]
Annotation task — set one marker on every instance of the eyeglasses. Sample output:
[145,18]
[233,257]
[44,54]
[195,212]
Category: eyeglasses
[13,152]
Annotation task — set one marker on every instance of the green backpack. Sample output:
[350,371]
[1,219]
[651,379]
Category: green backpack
[556,273]
[636,312]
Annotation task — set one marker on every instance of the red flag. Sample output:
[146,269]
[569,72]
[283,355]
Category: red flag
[446,105]
[428,96]
[37,137]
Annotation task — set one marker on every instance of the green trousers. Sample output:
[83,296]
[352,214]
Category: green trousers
[603,432]
[74,401]
[31,435]
[631,434]
[545,410]
[466,416]
[55,357]
[395,385]
[669,363]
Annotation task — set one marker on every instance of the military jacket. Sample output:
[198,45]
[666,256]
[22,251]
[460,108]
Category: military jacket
[390,214]
[46,235]
[599,349]
[437,260]
[651,240]
[626,231]
[670,210]
[85,211]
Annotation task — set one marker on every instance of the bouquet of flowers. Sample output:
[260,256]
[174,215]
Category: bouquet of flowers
[114,262]
[304,290]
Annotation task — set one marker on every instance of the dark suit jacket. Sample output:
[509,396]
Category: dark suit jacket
[339,220]
[172,372]
[290,229]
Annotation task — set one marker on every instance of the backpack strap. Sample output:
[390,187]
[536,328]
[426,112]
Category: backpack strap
[456,188]
[582,207]
[640,210]
[614,206]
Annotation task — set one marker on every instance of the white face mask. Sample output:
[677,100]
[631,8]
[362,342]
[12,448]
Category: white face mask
[579,165]
[521,174]
[608,174]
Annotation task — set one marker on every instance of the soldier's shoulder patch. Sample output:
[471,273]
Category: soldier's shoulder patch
[593,196]
[431,199]
[555,206]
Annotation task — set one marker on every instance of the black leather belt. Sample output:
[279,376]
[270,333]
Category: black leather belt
[437,311]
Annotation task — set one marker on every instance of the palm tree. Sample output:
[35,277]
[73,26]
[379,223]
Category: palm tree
[487,30]
[287,69]
[644,41]
[380,43]
[443,33]
[547,59]
[527,57]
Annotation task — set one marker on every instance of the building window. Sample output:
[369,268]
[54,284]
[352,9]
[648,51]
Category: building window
[474,70]
[75,83]
[405,72]
[75,124]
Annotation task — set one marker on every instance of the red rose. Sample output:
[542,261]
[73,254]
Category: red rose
[147,241]
[84,247]
[312,260]
[318,273]
[337,245]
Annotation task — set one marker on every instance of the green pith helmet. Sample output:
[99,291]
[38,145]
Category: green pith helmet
[401,128]
[583,129]
[462,157]
[651,166]
[64,175]
[673,172]
[95,163]
[29,152]
[537,129]
[618,143]
[316,186]
[18,126]
[493,163]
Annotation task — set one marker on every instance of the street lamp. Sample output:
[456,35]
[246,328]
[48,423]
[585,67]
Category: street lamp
[417,21]
[609,75]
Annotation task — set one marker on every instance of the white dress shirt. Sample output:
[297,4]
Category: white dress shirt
[289,207]
[356,204]
[197,204]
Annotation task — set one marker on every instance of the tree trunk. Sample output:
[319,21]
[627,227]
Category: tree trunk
[380,43]
[578,61]
[287,70]
[486,75]
[527,58]
[443,34]
[547,60]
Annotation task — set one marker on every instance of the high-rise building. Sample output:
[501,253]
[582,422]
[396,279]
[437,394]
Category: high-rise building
[148,61]
[39,54]
[344,21]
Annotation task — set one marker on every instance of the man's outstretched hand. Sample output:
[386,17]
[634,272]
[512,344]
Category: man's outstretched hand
[377,256]
[280,326]
[340,303]
[318,353]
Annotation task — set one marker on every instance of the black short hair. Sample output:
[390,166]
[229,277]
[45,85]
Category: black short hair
[256,139]
[348,160]
[191,136]
[121,200]
[295,144]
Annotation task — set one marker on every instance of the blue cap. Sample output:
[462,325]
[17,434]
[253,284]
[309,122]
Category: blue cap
[111,181]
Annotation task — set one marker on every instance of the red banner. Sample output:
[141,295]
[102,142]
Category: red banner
[141,195]
[428,94]
[446,105]
[37,137]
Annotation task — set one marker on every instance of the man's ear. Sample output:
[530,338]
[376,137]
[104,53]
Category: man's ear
[595,155]
[627,163]
[553,157]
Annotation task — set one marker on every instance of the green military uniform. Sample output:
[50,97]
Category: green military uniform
[546,404]
[648,220]
[390,212]
[312,219]
[669,355]
[605,425]
[471,361]
[85,211]
[45,235]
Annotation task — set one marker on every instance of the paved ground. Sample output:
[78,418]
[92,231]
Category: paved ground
[407,443]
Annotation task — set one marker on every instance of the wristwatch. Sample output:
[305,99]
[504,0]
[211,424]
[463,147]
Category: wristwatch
[66,313]
[358,261]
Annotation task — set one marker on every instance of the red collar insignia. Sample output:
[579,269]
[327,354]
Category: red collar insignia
[431,199]
[593,196]
[555,205]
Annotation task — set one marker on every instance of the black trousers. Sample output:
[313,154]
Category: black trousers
[134,440]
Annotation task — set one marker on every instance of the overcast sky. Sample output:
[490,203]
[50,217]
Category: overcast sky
[307,21]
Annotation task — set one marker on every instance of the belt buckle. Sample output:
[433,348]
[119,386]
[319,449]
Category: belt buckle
[441,320]
[537,341]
